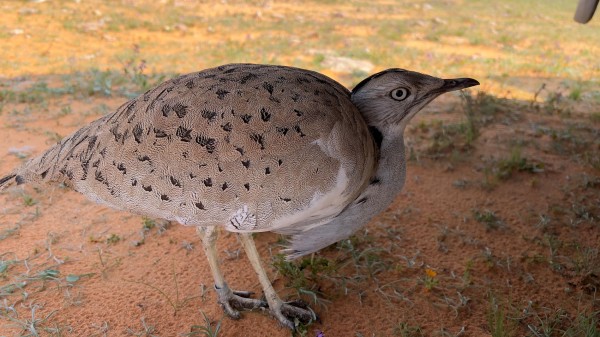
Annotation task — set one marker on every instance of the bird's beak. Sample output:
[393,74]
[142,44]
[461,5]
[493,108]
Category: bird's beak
[448,85]
[456,84]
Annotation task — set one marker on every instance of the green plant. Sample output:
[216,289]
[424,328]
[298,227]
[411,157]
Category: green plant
[499,324]
[101,83]
[105,265]
[113,239]
[176,303]
[291,270]
[472,108]
[430,280]
[575,93]
[547,324]
[206,330]
[584,325]
[504,169]
[28,200]
[148,223]
[134,68]
[488,218]
[33,326]
[9,231]
[302,274]
[403,329]
[147,330]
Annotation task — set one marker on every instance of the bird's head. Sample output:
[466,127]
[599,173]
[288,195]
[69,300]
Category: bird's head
[392,97]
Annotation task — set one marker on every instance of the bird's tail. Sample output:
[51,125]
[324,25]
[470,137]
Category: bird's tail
[32,171]
[8,181]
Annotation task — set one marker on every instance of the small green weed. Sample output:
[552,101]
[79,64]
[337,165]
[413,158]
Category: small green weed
[9,231]
[176,303]
[499,324]
[147,330]
[452,139]
[584,325]
[53,137]
[113,239]
[430,280]
[147,223]
[488,218]
[134,69]
[302,274]
[504,169]
[28,200]
[404,329]
[548,323]
[449,138]
[33,326]
[206,330]
[579,141]
[575,93]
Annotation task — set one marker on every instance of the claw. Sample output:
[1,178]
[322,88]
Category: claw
[298,303]
[245,294]
[295,311]
[233,301]
[299,310]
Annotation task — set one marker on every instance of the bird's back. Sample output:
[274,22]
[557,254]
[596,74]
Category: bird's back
[253,147]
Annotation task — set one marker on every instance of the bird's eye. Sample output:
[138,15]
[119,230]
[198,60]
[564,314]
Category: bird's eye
[400,94]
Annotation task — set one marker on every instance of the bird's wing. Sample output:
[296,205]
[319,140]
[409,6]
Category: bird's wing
[253,147]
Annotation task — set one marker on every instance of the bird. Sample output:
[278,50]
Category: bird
[249,148]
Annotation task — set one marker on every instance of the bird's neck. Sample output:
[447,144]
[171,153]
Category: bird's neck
[391,171]
[383,188]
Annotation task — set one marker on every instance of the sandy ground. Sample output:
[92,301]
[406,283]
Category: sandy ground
[161,277]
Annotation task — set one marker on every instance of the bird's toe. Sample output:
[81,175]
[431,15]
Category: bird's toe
[299,310]
[233,301]
[290,314]
[245,294]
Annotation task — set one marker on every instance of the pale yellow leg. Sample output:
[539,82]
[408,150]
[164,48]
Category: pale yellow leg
[276,306]
[227,298]
[209,242]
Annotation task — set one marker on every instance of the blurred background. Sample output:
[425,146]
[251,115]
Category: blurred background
[511,46]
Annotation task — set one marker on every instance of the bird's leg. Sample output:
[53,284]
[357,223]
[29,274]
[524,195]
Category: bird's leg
[282,311]
[231,301]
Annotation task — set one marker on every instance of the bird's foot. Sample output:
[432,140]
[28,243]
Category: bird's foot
[289,314]
[232,301]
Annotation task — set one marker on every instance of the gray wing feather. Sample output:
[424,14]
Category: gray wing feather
[351,219]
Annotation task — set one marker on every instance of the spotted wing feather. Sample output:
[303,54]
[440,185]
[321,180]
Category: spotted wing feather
[248,146]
